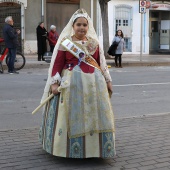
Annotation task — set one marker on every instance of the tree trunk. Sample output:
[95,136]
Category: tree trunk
[105,26]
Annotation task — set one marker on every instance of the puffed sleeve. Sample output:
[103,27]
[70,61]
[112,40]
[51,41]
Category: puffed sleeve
[96,56]
[58,67]
[59,62]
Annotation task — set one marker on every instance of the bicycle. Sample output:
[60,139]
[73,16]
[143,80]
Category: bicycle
[19,60]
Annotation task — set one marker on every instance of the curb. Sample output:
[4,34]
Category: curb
[111,63]
[142,64]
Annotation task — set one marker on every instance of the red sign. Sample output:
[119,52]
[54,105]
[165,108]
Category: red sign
[161,6]
[148,4]
[143,3]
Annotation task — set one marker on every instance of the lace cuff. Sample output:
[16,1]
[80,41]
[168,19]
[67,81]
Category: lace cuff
[107,75]
[55,79]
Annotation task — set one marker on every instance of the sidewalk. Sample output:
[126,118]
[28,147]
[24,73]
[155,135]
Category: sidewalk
[142,143]
[145,60]
[127,60]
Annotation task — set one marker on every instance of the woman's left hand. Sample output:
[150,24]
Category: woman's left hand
[109,86]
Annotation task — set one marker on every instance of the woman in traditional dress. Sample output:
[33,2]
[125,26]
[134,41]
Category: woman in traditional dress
[78,122]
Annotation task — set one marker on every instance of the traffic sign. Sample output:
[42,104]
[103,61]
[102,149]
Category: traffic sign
[143,3]
[142,6]
[142,10]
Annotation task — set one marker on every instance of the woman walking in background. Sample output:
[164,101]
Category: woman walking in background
[119,38]
[41,40]
[52,37]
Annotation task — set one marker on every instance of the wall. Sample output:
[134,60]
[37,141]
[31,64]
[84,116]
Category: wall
[95,14]
[32,18]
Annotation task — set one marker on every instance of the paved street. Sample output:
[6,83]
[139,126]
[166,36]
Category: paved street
[141,106]
[137,91]
[141,143]
[141,91]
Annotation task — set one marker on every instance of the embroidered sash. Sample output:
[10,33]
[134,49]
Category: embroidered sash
[79,53]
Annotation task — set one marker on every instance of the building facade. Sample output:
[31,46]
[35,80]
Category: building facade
[156,25]
[27,15]
[122,14]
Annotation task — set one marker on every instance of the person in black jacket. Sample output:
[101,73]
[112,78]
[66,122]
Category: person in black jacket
[41,40]
[11,41]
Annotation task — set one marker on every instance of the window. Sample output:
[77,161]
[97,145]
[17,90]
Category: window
[125,22]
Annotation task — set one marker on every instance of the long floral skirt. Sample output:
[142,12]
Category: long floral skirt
[79,122]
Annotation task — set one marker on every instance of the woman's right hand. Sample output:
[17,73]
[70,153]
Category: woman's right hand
[54,88]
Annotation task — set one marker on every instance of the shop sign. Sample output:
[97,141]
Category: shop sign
[159,6]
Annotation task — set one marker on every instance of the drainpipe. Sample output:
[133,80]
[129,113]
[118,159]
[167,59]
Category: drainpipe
[22,26]
[92,10]
[144,32]
[42,10]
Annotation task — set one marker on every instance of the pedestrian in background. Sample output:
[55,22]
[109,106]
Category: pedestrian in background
[52,37]
[119,38]
[11,41]
[42,35]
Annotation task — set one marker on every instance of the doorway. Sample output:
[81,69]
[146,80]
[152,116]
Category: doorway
[59,14]
[154,28]
[154,36]
[159,29]
[14,10]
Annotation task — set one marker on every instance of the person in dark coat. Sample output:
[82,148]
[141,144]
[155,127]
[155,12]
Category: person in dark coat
[41,40]
[10,36]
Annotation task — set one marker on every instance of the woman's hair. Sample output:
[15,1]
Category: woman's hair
[77,19]
[40,23]
[52,27]
[121,33]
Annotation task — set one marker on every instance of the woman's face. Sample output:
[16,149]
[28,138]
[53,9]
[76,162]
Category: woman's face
[54,29]
[119,33]
[80,27]
[11,22]
[42,25]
